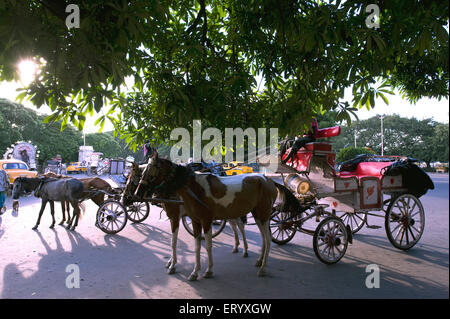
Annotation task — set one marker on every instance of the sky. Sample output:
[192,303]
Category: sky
[424,108]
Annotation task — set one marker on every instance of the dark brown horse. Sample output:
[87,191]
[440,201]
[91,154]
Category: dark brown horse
[91,185]
[207,197]
[50,190]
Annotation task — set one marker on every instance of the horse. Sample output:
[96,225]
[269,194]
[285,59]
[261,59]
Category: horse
[51,190]
[90,184]
[174,212]
[207,197]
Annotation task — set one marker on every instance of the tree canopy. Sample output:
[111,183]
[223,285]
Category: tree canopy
[426,140]
[18,123]
[230,63]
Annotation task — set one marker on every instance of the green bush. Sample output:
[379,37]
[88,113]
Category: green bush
[351,152]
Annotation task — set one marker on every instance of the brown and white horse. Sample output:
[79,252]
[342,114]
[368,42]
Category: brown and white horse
[207,197]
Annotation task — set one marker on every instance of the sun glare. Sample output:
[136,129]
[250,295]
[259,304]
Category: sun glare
[27,71]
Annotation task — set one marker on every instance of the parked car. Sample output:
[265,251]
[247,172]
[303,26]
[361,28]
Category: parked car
[76,167]
[16,168]
[236,168]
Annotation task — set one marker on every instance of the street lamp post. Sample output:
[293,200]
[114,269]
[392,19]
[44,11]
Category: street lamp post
[382,134]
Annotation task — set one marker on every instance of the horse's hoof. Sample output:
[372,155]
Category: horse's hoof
[171,271]
[34,228]
[61,223]
[245,255]
[258,263]
[193,277]
[52,226]
[235,250]
[73,228]
[261,273]
[208,274]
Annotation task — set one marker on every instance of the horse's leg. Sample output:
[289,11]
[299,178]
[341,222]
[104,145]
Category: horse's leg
[241,226]
[233,223]
[198,244]
[43,204]
[76,213]
[208,243]
[67,203]
[174,214]
[63,210]
[265,233]
[52,211]
[263,243]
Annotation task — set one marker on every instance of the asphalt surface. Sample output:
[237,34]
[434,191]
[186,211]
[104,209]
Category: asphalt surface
[130,264]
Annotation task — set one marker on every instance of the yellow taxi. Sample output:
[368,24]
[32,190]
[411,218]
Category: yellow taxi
[75,167]
[236,168]
[15,168]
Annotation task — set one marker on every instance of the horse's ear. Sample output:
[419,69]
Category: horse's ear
[154,153]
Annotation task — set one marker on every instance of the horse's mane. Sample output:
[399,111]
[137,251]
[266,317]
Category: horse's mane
[178,177]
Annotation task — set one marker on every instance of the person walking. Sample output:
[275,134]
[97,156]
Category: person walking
[4,187]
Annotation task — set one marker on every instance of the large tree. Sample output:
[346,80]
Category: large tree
[426,140]
[18,123]
[202,59]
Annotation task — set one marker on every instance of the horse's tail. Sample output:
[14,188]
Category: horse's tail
[82,208]
[287,201]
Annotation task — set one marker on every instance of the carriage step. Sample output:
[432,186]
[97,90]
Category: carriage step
[373,226]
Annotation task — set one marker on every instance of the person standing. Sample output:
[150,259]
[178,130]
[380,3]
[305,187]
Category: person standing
[4,186]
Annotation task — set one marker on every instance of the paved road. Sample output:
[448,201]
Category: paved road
[131,264]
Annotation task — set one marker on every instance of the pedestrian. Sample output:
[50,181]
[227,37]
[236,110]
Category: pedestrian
[4,187]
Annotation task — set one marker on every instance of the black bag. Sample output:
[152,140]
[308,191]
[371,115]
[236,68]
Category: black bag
[414,178]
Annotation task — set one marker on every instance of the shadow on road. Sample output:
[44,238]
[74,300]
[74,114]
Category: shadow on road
[120,268]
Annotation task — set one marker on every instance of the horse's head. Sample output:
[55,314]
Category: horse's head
[154,175]
[132,184]
[21,185]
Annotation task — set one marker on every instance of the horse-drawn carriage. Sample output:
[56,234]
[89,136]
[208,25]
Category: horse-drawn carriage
[341,200]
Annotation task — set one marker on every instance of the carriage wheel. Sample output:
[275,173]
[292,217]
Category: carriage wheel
[405,221]
[281,229]
[355,221]
[330,240]
[111,217]
[217,226]
[138,211]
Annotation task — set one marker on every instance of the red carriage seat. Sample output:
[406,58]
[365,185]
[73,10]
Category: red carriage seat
[328,132]
[365,169]
[302,158]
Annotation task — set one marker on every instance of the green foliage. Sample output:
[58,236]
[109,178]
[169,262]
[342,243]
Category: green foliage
[425,140]
[351,152]
[20,123]
[104,143]
[201,60]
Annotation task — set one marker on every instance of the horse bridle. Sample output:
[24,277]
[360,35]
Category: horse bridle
[150,175]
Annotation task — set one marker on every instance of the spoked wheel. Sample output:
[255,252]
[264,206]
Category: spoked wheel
[217,226]
[282,228]
[330,240]
[405,221]
[111,217]
[138,211]
[355,221]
